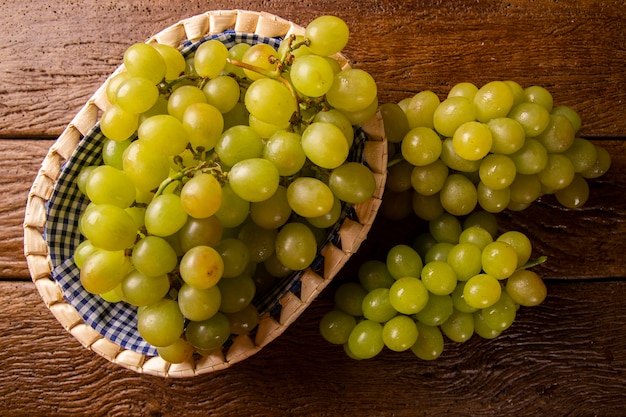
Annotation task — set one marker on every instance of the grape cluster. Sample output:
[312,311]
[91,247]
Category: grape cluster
[495,147]
[458,279]
[221,170]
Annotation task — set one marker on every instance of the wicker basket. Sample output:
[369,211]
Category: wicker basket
[294,294]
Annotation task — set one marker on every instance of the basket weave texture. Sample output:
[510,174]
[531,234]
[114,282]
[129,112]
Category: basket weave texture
[53,206]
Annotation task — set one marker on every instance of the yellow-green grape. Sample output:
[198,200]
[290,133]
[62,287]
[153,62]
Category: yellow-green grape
[439,277]
[571,114]
[352,90]
[108,227]
[234,210]
[113,152]
[154,256]
[174,60]
[403,261]
[338,119]
[327,35]
[421,108]
[311,75]
[254,179]
[458,299]
[270,101]
[463,89]
[201,267]
[400,333]
[459,327]
[235,255]
[201,196]
[210,334]
[210,58]
[284,150]
[507,135]
[575,194]
[499,259]
[273,212]
[222,92]
[261,56]
[136,94]
[583,154]
[429,343]
[261,242]
[454,161]
[501,314]
[446,228]
[408,295]
[118,124]
[103,270]
[472,140]
[481,291]
[476,235]
[531,158]
[310,197]
[374,274]
[539,95]
[395,122]
[336,326]
[492,100]
[178,352]
[236,52]
[203,124]
[558,136]
[366,339]
[164,134]
[165,215]
[325,145]
[558,173]
[497,171]
[196,232]
[520,242]
[525,189]
[438,309]
[426,207]
[182,97]
[349,298]
[161,323]
[493,201]
[458,195]
[244,320]
[482,329]
[238,143]
[601,166]
[108,185]
[352,182]
[452,113]
[142,60]
[421,146]
[236,293]
[428,179]
[526,288]
[464,259]
[113,83]
[141,290]
[377,306]
[517,90]
[533,117]
[296,246]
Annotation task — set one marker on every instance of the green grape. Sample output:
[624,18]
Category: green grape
[118,124]
[517,90]
[113,296]
[445,228]
[260,242]
[366,339]
[472,140]
[463,89]
[399,176]
[507,135]
[236,52]
[142,60]
[237,293]
[400,333]
[108,185]
[81,179]
[174,60]
[499,259]
[458,195]
[210,58]
[558,173]
[486,220]
[493,201]
[500,315]
[438,309]
[526,288]
[458,299]
[161,323]
[113,83]
[264,129]
[273,212]
[426,207]
[482,329]
[108,227]
[210,334]
[309,197]
[438,252]
[222,92]
[140,290]
[336,326]
[178,352]
[464,259]
[82,251]
[296,246]
[163,133]
[183,97]
[533,117]
[270,101]
[583,154]
[113,151]
[234,210]
[359,117]
[261,56]
[374,274]
[459,327]
[530,158]
[421,146]
[493,100]
[201,196]
[337,118]
[403,261]
[103,270]
[519,242]
[497,171]
[452,113]
[328,219]
[254,179]
[325,145]
[352,90]
[238,143]
[429,343]
[311,75]
[395,122]
[525,188]
[284,150]
[165,215]
[454,161]
[203,124]
[481,291]
[476,235]
[244,320]
[327,35]
[408,295]
[571,114]
[136,95]
[235,255]
[539,95]
[421,109]
[352,182]
[146,168]
[377,306]
[154,256]
[600,166]
[274,268]
[558,136]
[196,232]
[429,179]
[575,194]
[439,278]
[201,267]
[349,298]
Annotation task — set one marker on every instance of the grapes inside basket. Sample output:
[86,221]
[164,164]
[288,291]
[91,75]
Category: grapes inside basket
[225,181]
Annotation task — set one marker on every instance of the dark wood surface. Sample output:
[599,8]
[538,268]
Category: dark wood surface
[566,357]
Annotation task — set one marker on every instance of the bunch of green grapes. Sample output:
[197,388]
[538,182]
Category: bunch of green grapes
[458,279]
[221,170]
[495,147]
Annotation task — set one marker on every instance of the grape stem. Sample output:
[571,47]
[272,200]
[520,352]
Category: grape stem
[202,166]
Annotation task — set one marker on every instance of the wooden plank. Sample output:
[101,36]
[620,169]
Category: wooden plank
[55,56]
[553,360]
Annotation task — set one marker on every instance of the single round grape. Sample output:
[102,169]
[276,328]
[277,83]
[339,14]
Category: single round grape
[539,95]
[141,290]
[601,165]
[452,113]
[458,195]
[336,326]
[352,182]
[178,352]
[145,167]
[472,140]
[113,151]
[421,146]
[208,335]
[174,60]
[497,171]
[530,158]
[161,323]
[103,270]
[507,135]
[492,100]
[403,261]
[366,339]
[493,201]
[236,292]
[238,143]
[446,228]
[338,119]
[525,188]
[481,291]
[296,246]
[235,255]
[108,185]
[154,256]
[570,113]
[455,162]
[458,299]
[270,101]
[476,235]
[558,136]
[113,83]
[82,251]
[310,197]
[201,196]
[520,242]
[236,52]
[526,288]
[234,210]
[463,89]
[482,329]
[325,145]
[459,327]
[429,343]
[426,207]
[165,215]
[438,309]
[222,92]
[439,278]
[312,75]
[352,90]
[558,173]
[408,295]
[118,124]
[273,212]
[210,58]
[429,179]
[486,220]
[582,154]
[183,97]
[400,333]
[201,267]
[399,176]
[327,35]
[136,94]
[261,242]
[395,122]
[108,227]
[499,259]
[142,60]
[244,320]
[374,274]
[421,109]
[464,259]
[575,194]
[377,306]
[163,133]
[500,315]
[349,298]
[260,55]
[196,232]
[254,179]
[203,124]
[199,304]
[533,117]
[284,150]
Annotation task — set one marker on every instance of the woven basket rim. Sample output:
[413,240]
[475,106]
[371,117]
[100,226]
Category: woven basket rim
[351,233]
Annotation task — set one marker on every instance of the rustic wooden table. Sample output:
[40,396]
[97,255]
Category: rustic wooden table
[566,357]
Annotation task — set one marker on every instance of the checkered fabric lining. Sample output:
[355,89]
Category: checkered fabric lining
[117,321]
